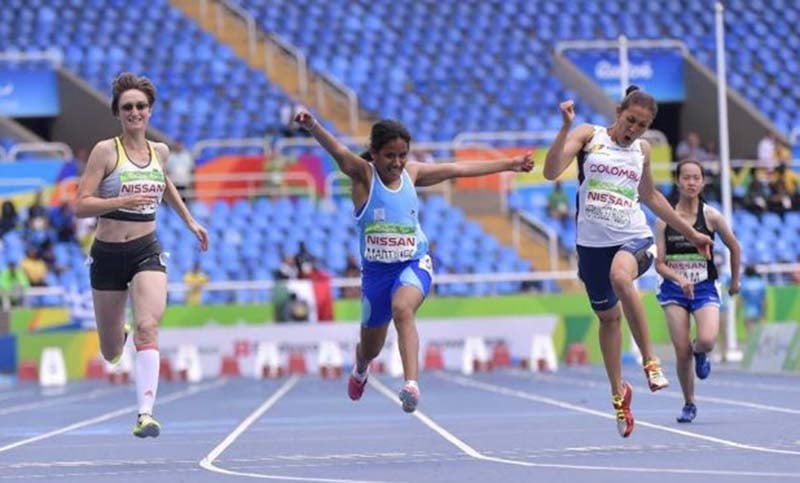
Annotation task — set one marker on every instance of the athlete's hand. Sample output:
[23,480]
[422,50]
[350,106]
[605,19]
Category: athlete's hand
[137,201]
[703,243]
[305,120]
[734,288]
[567,112]
[687,286]
[200,233]
[522,164]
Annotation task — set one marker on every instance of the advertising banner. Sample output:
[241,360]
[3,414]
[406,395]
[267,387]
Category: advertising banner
[658,72]
[28,92]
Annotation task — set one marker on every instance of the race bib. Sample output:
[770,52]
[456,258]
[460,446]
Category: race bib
[608,204]
[693,267]
[389,243]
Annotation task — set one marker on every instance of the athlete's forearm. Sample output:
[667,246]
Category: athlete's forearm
[91,206]
[173,199]
[663,210]
[556,160]
[465,169]
[665,271]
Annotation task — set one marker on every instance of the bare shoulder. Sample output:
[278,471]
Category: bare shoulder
[162,150]
[713,216]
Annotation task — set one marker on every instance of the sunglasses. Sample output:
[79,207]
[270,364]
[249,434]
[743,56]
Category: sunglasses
[141,106]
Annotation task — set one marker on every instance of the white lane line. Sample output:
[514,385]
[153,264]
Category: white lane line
[565,405]
[208,462]
[111,415]
[56,401]
[673,394]
[470,451]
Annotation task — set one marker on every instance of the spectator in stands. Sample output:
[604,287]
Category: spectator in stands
[123,185]
[767,151]
[754,297]
[352,270]
[396,270]
[195,279]
[180,168]
[303,261]
[558,203]
[34,268]
[784,187]
[758,192]
[690,147]
[38,232]
[84,231]
[614,241]
[8,218]
[689,287]
[13,282]
[62,219]
[37,209]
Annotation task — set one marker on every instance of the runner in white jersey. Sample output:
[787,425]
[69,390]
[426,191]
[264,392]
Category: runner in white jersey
[614,243]
[123,184]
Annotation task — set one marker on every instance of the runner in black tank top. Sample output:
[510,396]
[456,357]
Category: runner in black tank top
[689,285]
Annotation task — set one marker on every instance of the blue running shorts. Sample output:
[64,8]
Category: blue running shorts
[379,282]
[705,293]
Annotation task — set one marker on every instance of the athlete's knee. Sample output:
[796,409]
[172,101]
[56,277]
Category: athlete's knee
[611,317]
[402,313]
[146,332]
[620,280]
[703,344]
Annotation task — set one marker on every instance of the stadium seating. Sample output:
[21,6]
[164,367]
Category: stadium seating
[204,89]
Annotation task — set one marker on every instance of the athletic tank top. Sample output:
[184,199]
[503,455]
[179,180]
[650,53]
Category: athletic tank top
[682,256]
[129,179]
[608,197]
[388,223]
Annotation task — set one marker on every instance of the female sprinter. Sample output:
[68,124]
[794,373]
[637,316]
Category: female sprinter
[396,270]
[123,184]
[689,285]
[614,242]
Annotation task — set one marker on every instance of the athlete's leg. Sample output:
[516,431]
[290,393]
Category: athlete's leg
[370,345]
[707,320]
[109,312]
[611,346]
[149,297]
[679,329]
[624,270]
[405,302]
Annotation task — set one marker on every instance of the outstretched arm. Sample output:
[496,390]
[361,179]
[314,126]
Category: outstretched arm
[567,144]
[350,163]
[650,196]
[427,174]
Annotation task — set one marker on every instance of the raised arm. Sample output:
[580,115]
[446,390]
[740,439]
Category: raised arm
[718,224]
[650,196]
[661,262]
[173,199]
[427,174]
[101,163]
[567,144]
[351,164]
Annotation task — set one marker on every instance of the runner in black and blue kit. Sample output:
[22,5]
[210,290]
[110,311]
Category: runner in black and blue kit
[689,287]
[396,269]
[614,242]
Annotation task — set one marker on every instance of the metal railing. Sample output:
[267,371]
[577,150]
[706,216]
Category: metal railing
[63,150]
[345,282]
[261,143]
[614,44]
[276,42]
[351,99]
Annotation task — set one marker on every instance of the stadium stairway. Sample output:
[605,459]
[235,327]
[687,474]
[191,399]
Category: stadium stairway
[230,29]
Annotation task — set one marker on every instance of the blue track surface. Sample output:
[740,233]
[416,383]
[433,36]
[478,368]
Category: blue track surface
[501,426]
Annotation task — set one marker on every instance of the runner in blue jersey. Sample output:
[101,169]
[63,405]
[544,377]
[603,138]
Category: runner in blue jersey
[614,242]
[396,271]
[690,281]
